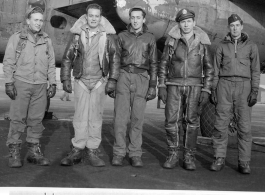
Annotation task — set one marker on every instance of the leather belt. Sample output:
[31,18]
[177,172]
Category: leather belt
[133,69]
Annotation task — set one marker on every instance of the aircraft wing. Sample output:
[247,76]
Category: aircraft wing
[252,2]
[78,7]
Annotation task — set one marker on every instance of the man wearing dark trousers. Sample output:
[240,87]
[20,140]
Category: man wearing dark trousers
[136,85]
[185,78]
[235,90]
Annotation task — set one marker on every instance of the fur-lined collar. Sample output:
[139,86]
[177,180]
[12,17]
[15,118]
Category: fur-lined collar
[244,37]
[82,22]
[200,35]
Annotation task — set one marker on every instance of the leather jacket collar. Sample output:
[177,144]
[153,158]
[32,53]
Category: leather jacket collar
[200,35]
[144,29]
[243,38]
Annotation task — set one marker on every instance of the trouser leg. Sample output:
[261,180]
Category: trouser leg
[174,116]
[121,113]
[223,115]
[81,116]
[18,112]
[96,109]
[37,106]
[139,87]
[243,117]
[191,116]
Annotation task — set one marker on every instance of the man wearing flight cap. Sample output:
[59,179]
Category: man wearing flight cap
[185,78]
[136,85]
[28,62]
[235,90]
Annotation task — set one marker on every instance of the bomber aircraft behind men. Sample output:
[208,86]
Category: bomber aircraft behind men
[211,16]
[60,15]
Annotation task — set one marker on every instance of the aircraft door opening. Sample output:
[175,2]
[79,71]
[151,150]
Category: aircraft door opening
[58,22]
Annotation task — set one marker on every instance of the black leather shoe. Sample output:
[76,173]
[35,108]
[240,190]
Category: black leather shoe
[243,167]
[171,161]
[117,160]
[93,158]
[35,155]
[74,157]
[218,164]
[136,161]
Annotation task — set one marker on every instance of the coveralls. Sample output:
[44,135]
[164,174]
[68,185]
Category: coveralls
[237,73]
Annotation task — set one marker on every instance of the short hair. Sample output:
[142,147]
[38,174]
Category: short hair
[137,9]
[34,10]
[241,22]
[94,6]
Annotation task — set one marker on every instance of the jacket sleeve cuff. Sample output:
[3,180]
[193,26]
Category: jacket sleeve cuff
[9,80]
[161,86]
[152,83]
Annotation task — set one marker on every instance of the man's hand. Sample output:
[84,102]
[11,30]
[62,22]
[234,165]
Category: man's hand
[67,86]
[204,97]
[151,93]
[11,90]
[162,94]
[110,88]
[252,98]
[213,98]
[51,91]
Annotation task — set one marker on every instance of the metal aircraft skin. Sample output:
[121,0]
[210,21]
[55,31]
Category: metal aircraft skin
[211,15]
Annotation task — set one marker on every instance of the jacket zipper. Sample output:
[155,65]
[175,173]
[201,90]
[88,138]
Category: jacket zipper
[235,48]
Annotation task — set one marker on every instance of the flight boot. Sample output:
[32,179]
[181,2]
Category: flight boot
[35,156]
[14,160]
[218,164]
[93,158]
[172,159]
[117,160]
[136,161]
[189,159]
[243,167]
[73,157]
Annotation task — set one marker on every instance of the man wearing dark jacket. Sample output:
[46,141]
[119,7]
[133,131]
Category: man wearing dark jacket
[135,86]
[235,90]
[94,54]
[185,78]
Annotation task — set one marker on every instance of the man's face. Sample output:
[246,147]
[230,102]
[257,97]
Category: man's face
[187,25]
[137,20]
[35,22]
[235,29]
[93,18]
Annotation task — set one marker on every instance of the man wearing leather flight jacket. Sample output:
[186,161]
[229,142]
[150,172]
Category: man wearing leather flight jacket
[185,78]
[135,86]
[235,91]
[95,56]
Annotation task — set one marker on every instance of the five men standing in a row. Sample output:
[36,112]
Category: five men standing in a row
[125,67]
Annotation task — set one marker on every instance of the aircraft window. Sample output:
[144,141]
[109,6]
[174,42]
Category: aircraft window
[58,22]
[39,3]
